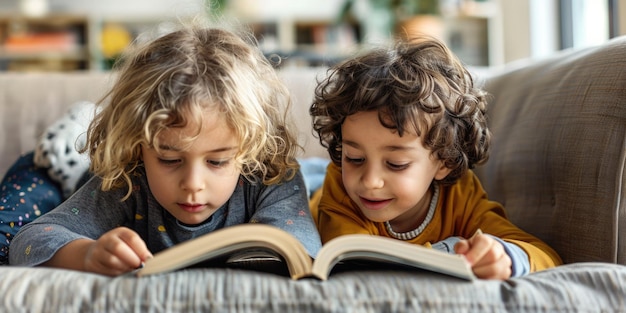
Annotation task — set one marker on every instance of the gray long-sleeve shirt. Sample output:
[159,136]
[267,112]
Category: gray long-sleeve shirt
[90,212]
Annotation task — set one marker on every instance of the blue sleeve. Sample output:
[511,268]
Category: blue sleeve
[446,245]
[313,171]
[520,264]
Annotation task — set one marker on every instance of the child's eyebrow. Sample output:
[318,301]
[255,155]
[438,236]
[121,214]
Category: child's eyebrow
[176,149]
[388,148]
[399,148]
[351,143]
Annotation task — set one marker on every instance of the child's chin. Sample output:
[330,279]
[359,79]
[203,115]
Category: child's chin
[191,222]
[190,219]
[377,218]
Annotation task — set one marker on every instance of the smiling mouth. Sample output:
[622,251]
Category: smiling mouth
[374,204]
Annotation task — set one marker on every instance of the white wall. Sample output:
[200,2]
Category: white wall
[516,29]
[117,8]
[276,9]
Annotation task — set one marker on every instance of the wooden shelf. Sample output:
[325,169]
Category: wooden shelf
[472,32]
[312,42]
[55,42]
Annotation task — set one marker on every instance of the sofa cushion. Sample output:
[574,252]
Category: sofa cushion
[558,154]
[581,287]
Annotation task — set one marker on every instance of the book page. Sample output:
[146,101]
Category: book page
[227,241]
[383,249]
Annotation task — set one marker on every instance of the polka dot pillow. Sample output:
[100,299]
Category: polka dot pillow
[57,148]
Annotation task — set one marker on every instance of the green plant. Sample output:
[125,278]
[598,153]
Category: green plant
[215,7]
[416,7]
[399,9]
[387,17]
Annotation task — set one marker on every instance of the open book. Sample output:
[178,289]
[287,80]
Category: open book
[236,240]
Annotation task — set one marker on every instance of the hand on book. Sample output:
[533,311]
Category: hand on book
[118,251]
[486,256]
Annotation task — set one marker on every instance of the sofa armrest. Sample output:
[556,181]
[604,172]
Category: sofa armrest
[559,146]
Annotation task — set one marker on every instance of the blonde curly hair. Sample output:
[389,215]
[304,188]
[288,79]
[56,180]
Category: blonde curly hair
[170,80]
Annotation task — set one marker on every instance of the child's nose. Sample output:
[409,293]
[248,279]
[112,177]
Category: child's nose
[372,177]
[193,179]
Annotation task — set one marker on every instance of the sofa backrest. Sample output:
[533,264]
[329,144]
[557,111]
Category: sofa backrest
[558,150]
[301,82]
[30,102]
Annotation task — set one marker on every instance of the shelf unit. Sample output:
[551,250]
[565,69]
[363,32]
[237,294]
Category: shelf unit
[468,38]
[473,32]
[131,26]
[51,43]
[62,42]
[307,42]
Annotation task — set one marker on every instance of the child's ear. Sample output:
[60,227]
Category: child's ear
[442,172]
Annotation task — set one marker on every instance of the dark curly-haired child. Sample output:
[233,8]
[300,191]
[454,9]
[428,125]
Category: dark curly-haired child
[403,127]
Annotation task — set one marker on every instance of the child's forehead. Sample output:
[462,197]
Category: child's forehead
[204,124]
[385,119]
[365,120]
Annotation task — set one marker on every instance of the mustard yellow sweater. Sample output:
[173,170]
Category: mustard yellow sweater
[461,209]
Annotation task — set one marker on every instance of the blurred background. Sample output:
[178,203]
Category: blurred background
[88,35]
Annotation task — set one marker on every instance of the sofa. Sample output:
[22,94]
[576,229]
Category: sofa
[557,164]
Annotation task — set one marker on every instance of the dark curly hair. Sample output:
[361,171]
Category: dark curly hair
[416,85]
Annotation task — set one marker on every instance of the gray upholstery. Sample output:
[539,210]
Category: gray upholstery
[557,164]
[579,287]
[31,102]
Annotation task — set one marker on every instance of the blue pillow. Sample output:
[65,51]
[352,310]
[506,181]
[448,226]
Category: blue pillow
[313,171]
[26,192]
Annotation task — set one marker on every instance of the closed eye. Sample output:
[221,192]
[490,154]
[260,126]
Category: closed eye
[397,167]
[169,162]
[218,163]
[356,161]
